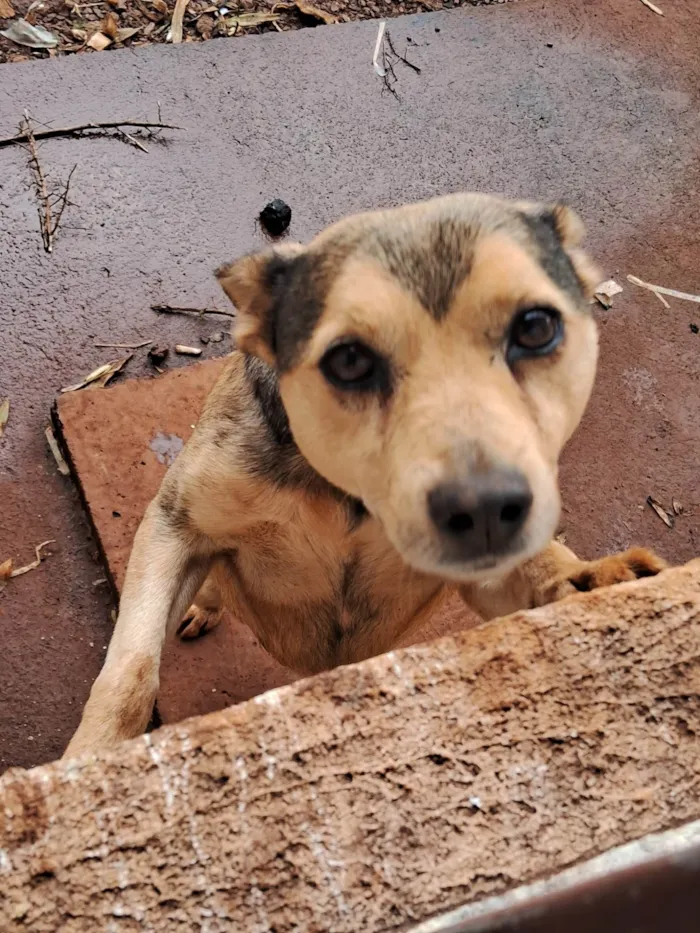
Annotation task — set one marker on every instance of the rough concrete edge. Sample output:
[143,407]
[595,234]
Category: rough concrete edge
[279,695]
[680,846]
[676,590]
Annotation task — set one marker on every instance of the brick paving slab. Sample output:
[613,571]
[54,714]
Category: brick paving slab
[597,102]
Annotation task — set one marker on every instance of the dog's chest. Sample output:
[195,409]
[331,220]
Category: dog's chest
[328,591]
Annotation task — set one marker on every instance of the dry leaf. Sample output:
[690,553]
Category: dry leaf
[6,9]
[79,34]
[249,20]
[4,414]
[205,25]
[34,37]
[665,517]
[6,571]
[606,291]
[101,375]
[56,451]
[187,351]
[308,9]
[160,6]
[126,33]
[110,25]
[677,507]
[99,42]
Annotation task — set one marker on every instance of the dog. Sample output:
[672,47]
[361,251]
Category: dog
[387,431]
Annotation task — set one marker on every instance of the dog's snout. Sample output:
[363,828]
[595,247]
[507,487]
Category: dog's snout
[481,515]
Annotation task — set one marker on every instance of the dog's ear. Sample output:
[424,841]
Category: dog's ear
[569,230]
[568,225]
[255,284]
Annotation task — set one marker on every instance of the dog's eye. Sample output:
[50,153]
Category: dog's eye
[351,365]
[535,332]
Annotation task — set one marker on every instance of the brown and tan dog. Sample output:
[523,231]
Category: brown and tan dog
[388,430]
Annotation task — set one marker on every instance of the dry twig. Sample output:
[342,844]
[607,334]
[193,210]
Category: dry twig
[56,451]
[660,290]
[51,204]
[401,58]
[4,414]
[81,129]
[177,309]
[177,20]
[384,48]
[653,7]
[124,346]
[132,140]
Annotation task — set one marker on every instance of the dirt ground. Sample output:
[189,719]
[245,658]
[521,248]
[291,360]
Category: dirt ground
[85,27]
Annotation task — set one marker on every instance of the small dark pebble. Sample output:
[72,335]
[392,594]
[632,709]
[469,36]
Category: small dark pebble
[204,340]
[158,354]
[276,217]
[694,329]
[550,45]
[436,29]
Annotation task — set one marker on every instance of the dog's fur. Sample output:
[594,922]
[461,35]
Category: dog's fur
[301,506]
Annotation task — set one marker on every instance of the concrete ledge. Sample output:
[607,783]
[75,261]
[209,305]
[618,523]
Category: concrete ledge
[381,793]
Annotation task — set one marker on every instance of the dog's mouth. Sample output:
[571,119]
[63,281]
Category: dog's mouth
[482,567]
[461,558]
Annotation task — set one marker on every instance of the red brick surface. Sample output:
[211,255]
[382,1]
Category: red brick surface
[110,435]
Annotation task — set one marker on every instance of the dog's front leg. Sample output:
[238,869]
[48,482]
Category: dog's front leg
[167,566]
[555,573]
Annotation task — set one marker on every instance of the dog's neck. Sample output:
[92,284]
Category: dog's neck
[280,460]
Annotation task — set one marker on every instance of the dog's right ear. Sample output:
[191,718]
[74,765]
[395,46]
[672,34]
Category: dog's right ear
[255,284]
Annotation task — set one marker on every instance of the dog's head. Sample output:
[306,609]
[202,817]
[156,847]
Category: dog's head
[433,360]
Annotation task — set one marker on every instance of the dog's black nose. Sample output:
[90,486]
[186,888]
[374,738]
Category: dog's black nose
[481,515]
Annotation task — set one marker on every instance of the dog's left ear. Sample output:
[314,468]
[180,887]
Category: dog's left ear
[255,284]
[569,230]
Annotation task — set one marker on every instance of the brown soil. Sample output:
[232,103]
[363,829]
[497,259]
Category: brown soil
[75,23]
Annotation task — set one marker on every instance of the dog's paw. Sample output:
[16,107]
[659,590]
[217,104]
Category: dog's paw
[617,568]
[198,622]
